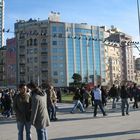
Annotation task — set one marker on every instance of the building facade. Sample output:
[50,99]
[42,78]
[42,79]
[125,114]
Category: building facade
[113,64]
[3,81]
[137,64]
[137,70]
[1,22]
[54,51]
[126,50]
[11,62]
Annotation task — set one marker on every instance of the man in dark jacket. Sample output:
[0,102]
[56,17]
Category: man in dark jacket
[22,107]
[113,94]
[39,114]
[135,94]
[124,98]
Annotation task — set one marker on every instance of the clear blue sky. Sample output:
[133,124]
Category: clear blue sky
[120,13]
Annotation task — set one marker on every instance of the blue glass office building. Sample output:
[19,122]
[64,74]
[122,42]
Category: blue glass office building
[85,52]
[77,48]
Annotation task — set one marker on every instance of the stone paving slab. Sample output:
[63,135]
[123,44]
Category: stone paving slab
[83,126]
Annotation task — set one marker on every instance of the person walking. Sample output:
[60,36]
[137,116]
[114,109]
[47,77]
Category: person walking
[77,102]
[135,94]
[51,102]
[113,94]
[22,107]
[39,115]
[98,100]
[124,100]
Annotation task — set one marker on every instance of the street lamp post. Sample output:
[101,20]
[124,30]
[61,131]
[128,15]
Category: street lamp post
[138,16]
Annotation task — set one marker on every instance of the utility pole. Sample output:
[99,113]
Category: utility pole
[138,16]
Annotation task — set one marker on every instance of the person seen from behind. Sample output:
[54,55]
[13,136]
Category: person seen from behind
[98,100]
[39,115]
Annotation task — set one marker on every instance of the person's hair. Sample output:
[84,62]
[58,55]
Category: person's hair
[98,86]
[135,84]
[22,85]
[32,85]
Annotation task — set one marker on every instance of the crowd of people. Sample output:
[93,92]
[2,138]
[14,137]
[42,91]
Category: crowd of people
[36,105]
[32,105]
[99,96]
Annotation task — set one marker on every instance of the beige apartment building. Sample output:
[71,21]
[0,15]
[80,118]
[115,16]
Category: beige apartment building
[126,53]
[113,63]
[32,51]
[137,71]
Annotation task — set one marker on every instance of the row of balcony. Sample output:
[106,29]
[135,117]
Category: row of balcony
[42,69]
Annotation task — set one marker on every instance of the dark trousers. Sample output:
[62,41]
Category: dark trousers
[52,112]
[135,105]
[125,102]
[96,104]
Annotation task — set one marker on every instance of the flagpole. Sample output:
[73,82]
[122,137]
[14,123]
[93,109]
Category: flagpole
[138,16]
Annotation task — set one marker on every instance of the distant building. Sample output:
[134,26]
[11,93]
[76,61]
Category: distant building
[137,64]
[137,71]
[54,51]
[3,81]
[113,64]
[126,50]
[11,62]
[1,22]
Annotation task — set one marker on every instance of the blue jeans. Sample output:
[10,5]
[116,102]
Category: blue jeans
[114,102]
[96,104]
[125,102]
[20,126]
[42,134]
[78,104]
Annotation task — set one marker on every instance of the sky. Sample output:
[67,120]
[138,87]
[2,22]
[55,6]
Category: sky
[120,13]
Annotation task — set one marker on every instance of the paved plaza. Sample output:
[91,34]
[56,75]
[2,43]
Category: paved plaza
[83,126]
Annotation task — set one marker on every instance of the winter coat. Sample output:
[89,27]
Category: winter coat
[22,107]
[39,114]
[124,93]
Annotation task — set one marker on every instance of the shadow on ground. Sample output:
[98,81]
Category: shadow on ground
[7,121]
[100,135]
[87,118]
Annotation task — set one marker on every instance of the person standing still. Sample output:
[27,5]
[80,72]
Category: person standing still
[39,115]
[22,107]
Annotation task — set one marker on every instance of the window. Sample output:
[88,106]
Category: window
[35,50]
[55,81]
[61,73]
[31,60]
[54,50]
[61,58]
[55,73]
[55,65]
[61,65]
[54,29]
[30,51]
[35,42]
[27,42]
[54,43]
[54,57]
[60,35]
[35,59]
[44,42]
[31,42]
